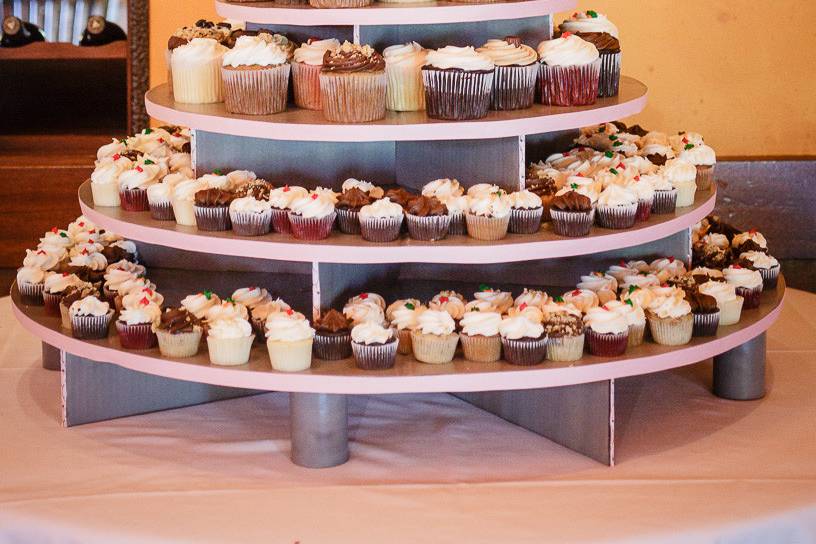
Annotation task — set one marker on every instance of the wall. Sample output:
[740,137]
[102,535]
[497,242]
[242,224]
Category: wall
[734,70]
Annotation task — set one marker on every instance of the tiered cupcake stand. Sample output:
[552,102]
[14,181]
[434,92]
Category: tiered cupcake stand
[570,403]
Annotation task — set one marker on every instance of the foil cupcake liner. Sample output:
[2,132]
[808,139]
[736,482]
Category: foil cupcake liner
[524,351]
[256,91]
[311,228]
[616,217]
[565,348]
[280,221]
[525,221]
[457,95]
[481,227]
[405,90]
[572,224]
[339,3]
[180,345]
[514,87]
[405,345]
[214,218]
[51,302]
[332,347]
[606,344]
[139,336]
[162,211]
[770,276]
[290,356]
[91,327]
[357,97]
[198,83]
[705,177]
[664,202]
[134,200]
[251,224]
[458,225]
[427,228]
[31,293]
[609,78]
[381,229]
[481,349]
[751,295]
[706,324]
[348,221]
[636,334]
[433,349]
[230,351]
[671,331]
[569,85]
[375,356]
[306,84]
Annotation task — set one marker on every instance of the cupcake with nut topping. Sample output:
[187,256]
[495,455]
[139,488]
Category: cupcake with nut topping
[353,84]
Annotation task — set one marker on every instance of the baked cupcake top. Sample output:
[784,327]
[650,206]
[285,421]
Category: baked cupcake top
[480,323]
[509,52]
[89,306]
[604,320]
[568,50]
[426,206]
[350,58]
[176,321]
[589,21]
[313,51]
[371,334]
[466,59]
[255,51]
[405,55]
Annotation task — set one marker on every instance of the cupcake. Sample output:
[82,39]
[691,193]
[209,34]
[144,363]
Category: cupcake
[133,184]
[427,218]
[595,28]
[434,340]
[178,332]
[526,210]
[665,194]
[348,207]
[280,199]
[729,303]
[682,176]
[381,221]
[523,340]
[514,79]
[255,74]
[196,69]
[212,209]
[488,216]
[572,214]
[670,319]
[569,70]
[289,341]
[306,66]
[458,83]
[480,337]
[705,312]
[564,329]
[353,84]
[403,69]
[607,332]
[617,207]
[405,318]
[747,284]
[90,318]
[250,216]
[229,341]
[374,346]
[311,217]
[135,325]
[332,339]
[767,266]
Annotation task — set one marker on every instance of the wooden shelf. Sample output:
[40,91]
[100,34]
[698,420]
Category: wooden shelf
[65,51]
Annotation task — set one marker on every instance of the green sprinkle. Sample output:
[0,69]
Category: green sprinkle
[613,171]
[608,154]
[208,294]
[688,146]
[410,306]
[573,185]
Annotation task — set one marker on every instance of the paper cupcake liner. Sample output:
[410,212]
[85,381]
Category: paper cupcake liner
[230,351]
[212,218]
[256,91]
[280,221]
[616,217]
[524,351]
[179,345]
[685,194]
[457,95]
[339,3]
[770,276]
[375,356]
[51,302]
[290,356]
[481,227]
[428,228]
[606,344]
[523,221]
[433,349]
[91,327]
[348,221]
[357,97]
[569,85]
[134,200]
[572,224]
[644,210]
[311,228]
[671,331]
[565,348]
[105,194]
[381,229]
[332,347]
[31,293]
[405,90]
[514,87]
[458,225]
[664,202]
[636,334]
[405,345]
[705,176]
[731,311]
[198,84]
[184,212]
[306,84]
[481,349]
[65,317]
[139,336]
[751,295]
[250,223]
[706,324]
[162,211]
[609,78]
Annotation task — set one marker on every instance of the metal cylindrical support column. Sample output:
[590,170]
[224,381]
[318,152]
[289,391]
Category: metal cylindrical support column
[319,429]
[739,374]
[50,357]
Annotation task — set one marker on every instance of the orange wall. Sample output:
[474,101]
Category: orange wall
[736,71]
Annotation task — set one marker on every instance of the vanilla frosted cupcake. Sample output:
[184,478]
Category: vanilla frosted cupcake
[480,337]
[381,221]
[289,341]
[488,216]
[403,68]
[515,76]
[306,66]
[256,76]
[434,340]
[196,68]
[569,71]
[682,175]
[458,83]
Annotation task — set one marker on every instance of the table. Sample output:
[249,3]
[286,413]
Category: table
[690,466]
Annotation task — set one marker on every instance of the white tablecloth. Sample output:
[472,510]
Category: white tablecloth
[423,468]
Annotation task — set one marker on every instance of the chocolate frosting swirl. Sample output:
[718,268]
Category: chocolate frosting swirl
[333,322]
[353,58]
[425,206]
[177,320]
[212,198]
[572,201]
[353,199]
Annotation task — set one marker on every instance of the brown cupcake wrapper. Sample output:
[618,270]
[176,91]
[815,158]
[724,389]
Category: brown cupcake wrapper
[134,200]
[644,210]
[339,3]
[405,346]
[429,228]
[51,302]
[432,349]
[311,228]
[162,211]
[606,344]
[31,293]
[664,202]
[565,348]
[524,351]
[381,229]
[357,97]
[752,296]
[139,336]
[616,217]
[705,177]
[256,92]
[214,218]
[569,85]
[770,276]
[458,225]
[457,95]
[180,345]
[525,221]
[375,356]
[280,221]
[91,327]
[706,324]
[636,334]
[609,78]
[348,221]
[572,224]
[490,229]
[332,347]
[674,331]
[481,349]
[514,87]
[306,84]
[251,224]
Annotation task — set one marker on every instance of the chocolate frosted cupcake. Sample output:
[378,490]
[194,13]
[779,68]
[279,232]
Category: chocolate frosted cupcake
[458,83]
[374,346]
[348,207]
[523,340]
[332,338]
[381,221]
[256,76]
[596,29]
[572,214]
[427,218]
[212,209]
[178,332]
[514,79]
[569,70]
[705,312]
[353,84]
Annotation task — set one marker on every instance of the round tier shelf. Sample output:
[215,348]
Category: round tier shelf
[352,249]
[389,14]
[408,375]
[306,125]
